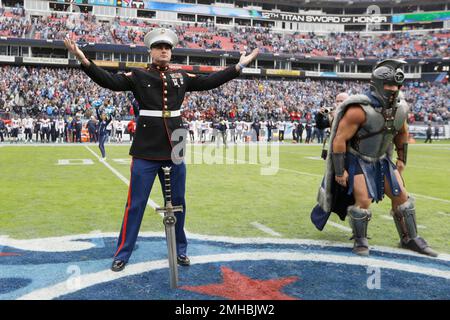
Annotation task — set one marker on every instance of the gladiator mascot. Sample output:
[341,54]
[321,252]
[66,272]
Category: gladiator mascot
[359,166]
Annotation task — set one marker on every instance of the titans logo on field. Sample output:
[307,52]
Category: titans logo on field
[77,267]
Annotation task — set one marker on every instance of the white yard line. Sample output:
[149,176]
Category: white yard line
[431,145]
[279,168]
[429,198]
[265,229]
[428,168]
[443,213]
[339,226]
[419,226]
[128,144]
[150,202]
[240,144]
[320,176]
[303,173]
[48,244]
[246,162]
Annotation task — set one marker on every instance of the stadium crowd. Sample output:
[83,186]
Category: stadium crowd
[89,28]
[14,23]
[405,44]
[84,26]
[37,98]
[54,92]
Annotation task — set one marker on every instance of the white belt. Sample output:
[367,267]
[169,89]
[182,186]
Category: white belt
[160,114]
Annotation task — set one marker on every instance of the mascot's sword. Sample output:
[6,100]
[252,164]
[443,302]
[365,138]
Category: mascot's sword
[169,224]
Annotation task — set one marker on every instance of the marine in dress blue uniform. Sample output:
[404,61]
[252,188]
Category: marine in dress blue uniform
[159,91]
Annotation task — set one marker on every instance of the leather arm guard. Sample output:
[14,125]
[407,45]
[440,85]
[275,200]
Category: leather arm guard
[338,163]
[404,149]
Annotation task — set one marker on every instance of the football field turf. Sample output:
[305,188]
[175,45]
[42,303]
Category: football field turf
[44,197]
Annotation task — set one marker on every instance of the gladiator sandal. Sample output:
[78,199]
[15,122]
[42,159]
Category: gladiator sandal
[359,220]
[405,221]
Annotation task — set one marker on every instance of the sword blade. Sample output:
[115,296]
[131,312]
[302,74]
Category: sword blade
[169,224]
[172,256]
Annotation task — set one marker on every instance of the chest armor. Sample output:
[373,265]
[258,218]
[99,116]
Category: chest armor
[375,137]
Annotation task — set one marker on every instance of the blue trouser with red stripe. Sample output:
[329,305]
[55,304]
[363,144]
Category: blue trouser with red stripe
[143,173]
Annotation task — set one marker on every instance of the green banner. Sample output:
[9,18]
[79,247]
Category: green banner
[421,17]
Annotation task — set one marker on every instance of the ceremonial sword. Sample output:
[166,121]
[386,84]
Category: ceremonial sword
[169,221]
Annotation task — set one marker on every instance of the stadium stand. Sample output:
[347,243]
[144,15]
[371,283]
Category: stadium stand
[55,91]
[86,28]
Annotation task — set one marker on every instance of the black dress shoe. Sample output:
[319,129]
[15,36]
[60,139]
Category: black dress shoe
[183,261]
[118,265]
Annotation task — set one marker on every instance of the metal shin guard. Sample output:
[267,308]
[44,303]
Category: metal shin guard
[359,220]
[405,221]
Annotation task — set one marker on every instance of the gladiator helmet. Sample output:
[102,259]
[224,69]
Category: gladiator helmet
[387,72]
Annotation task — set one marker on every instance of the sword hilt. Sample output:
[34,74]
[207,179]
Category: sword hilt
[167,187]
[169,220]
[168,208]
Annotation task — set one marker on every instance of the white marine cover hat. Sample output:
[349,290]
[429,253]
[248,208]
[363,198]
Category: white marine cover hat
[160,35]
